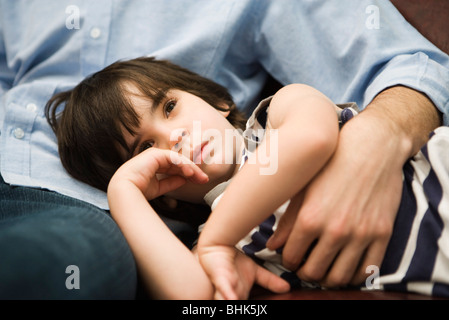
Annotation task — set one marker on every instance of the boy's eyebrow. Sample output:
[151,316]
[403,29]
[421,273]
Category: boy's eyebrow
[158,98]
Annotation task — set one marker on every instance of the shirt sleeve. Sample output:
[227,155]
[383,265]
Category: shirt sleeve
[350,50]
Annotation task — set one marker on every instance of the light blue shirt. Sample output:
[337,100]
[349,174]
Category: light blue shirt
[350,50]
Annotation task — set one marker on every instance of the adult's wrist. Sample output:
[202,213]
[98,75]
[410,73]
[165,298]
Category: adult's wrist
[406,115]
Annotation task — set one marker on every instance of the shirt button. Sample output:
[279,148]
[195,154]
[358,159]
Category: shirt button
[31,107]
[18,133]
[95,33]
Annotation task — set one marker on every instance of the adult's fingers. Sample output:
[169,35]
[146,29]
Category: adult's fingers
[372,260]
[320,258]
[341,271]
[298,243]
[286,222]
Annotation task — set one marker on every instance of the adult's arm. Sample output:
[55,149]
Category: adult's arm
[350,51]
[350,208]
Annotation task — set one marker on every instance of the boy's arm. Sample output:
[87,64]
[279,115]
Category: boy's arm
[168,268]
[305,132]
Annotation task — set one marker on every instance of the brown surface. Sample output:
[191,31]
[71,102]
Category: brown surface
[317,294]
[429,17]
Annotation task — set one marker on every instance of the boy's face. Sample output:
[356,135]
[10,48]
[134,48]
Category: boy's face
[185,123]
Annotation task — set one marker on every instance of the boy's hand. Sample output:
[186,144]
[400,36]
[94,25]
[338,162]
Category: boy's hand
[233,273]
[156,172]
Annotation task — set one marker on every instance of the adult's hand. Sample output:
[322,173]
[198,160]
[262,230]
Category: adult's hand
[347,212]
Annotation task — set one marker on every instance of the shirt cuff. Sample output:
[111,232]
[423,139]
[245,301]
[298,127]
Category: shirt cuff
[416,71]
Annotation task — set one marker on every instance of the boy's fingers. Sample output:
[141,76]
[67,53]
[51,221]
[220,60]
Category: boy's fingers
[195,174]
[178,164]
[271,281]
[224,290]
[170,183]
[190,172]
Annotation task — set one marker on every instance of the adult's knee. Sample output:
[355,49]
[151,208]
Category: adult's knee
[65,252]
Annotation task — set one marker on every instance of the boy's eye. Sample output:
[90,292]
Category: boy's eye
[169,106]
[146,145]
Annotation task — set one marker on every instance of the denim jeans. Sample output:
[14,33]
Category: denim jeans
[56,247]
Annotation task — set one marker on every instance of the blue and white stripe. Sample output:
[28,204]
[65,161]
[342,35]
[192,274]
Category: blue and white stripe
[417,259]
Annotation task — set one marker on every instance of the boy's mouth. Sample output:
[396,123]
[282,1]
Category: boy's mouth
[197,156]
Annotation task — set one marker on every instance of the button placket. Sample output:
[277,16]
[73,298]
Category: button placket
[31,107]
[95,33]
[18,133]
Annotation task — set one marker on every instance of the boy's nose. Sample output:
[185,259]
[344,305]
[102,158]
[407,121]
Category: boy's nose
[178,139]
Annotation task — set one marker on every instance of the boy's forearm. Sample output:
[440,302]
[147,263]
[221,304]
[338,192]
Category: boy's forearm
[233,219]
[169,269]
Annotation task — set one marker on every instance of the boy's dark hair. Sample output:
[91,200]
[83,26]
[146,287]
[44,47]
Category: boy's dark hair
[89,129]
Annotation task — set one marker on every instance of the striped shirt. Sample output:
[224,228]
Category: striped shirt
[417,257]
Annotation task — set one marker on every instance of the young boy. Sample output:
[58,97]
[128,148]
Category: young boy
[144,128]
